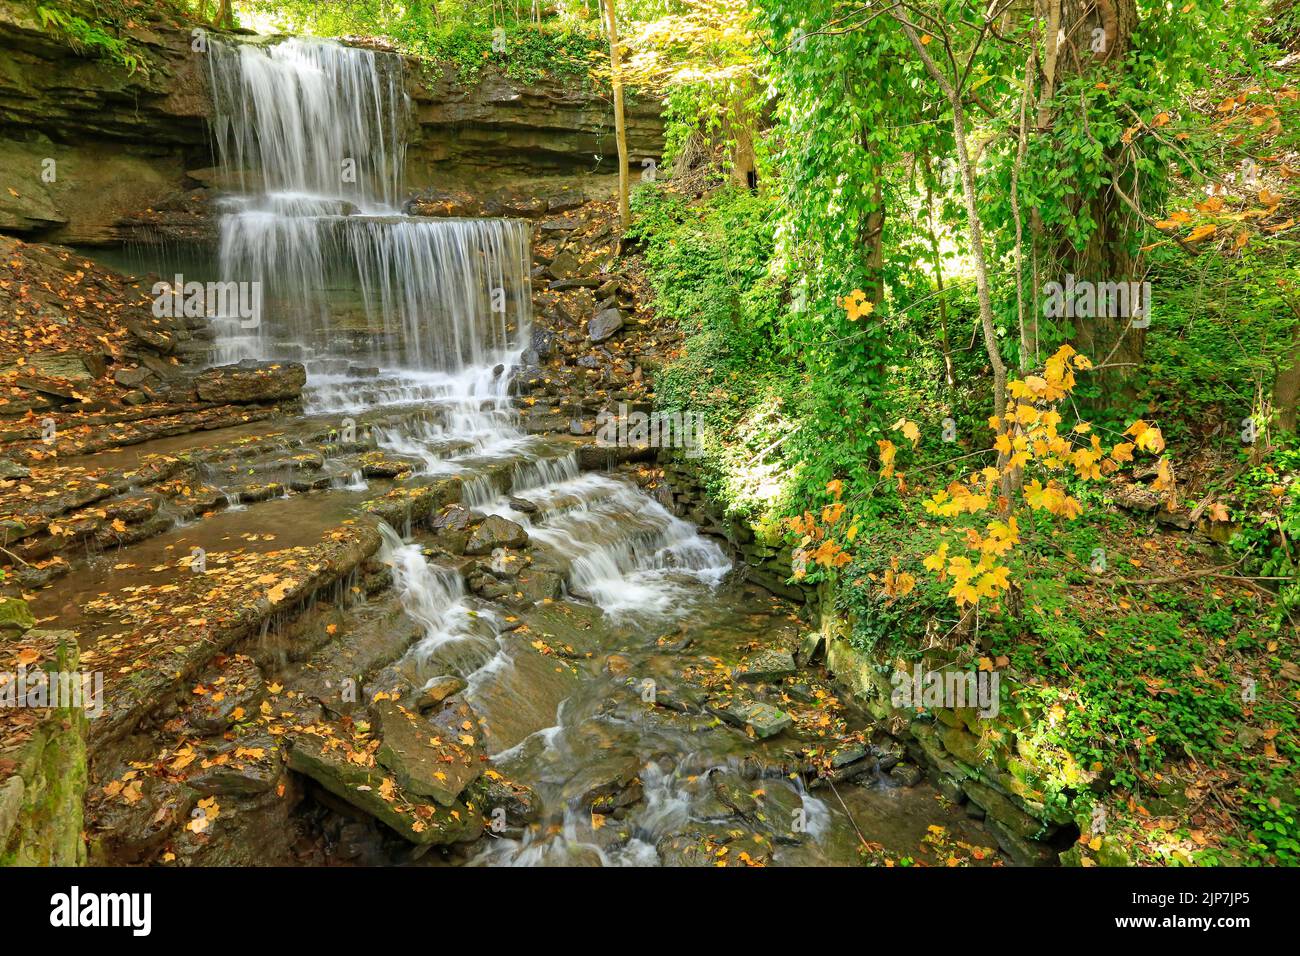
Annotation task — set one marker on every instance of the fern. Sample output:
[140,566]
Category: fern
[90,38]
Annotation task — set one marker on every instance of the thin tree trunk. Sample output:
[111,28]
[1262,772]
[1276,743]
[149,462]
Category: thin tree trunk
[1286,387]
[1053,38]
[871,235]
[1028,342]
[948,375]
[620,126]
[974,224]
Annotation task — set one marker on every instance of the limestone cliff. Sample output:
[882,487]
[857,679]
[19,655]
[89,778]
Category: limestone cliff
[93,153]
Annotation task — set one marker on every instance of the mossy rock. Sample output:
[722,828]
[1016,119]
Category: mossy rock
[1112,853]
[16,617]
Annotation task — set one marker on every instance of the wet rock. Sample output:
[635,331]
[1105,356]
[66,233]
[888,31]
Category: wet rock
[522,505]
[133,830]
[438,690]
[254,765]
[11,469]
[767,665]
[618,665]
[506,805]
[536,584]
[383,466]
[763,719]
[906,774]
[604,325]
[414,504]
[811,646]
[609,784]
[496,532]
[420,821]
[542,346]
[251,381]
[734,792]
[436,756]
[451,528]
[488,587]
[849,753]
[231,692]
[681,699]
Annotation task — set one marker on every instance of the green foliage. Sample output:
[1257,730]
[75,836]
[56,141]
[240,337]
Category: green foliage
[710,267]
[462,34]
[530,51]
[93,37]
[1266,502]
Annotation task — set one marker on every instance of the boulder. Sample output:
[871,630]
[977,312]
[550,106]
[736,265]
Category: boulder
[542,345]
[74,366]
[153,333]
[496,532]
[435,756]
[608,784]
[422,822]
[767,665]
[763,719]
[451,528]
[15,617]
[565,265]
[437,690]
[605,324]
[251,381]
[131,377]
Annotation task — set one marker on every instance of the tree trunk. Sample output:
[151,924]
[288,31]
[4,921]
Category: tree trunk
[1092,39]
[620,125]
[948,376]
[974,228]
[1286,387]
[871,234]
[223,17]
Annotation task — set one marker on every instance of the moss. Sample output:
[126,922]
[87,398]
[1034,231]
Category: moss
[47,829]
[15,616]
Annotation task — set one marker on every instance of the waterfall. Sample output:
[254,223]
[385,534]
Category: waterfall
[311,136]
[311,118]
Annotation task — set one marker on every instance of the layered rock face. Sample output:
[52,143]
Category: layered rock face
[505,129]
[99,155]
[90,152]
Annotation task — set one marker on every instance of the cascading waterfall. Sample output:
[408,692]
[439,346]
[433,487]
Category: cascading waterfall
[309,119]
[311,136]
[394,310]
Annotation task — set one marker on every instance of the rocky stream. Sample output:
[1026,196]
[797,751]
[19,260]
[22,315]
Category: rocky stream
[363,584]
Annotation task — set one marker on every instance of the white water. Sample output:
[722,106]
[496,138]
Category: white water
[312,136]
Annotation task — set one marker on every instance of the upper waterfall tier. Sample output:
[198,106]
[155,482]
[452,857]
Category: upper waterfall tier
[310,117]
[314,133]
